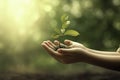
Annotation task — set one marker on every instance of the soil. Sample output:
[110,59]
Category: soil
[61,46]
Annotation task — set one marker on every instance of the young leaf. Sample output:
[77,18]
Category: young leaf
[55,36]
[64,18]
[57,30]
[62,30]
[65,24]
[71,33]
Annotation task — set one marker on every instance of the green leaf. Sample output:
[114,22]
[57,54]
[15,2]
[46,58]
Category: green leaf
[62,30]
[64,18]
[65,24]
[57,30]
[55,36]
[71,33]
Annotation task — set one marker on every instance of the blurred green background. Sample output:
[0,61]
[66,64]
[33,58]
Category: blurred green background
[25,24]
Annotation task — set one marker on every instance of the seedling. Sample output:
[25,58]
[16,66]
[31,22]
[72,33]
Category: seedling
[63,30]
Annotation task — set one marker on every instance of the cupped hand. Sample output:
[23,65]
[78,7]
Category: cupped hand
[76,52]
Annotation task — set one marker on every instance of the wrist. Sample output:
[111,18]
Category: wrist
[83,55]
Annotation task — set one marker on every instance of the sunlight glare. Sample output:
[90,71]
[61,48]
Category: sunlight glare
[22,20]
[17,21]
[22,11]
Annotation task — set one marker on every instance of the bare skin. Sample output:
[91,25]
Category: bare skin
[79,53]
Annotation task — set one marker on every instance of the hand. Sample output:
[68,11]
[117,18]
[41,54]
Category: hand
[76,52]
[70,44]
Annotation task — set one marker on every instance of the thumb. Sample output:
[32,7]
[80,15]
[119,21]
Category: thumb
[65,51]
[68,42]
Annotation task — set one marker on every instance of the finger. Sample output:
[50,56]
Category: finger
[48,44]
[65,51]
[52,44]
[50,50]
[68,42]
[63,46]
[60,45]
[56,42]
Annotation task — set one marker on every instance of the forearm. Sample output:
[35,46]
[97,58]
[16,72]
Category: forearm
[102,52]
[106,61]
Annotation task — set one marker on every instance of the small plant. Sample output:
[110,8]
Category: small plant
[63,30]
